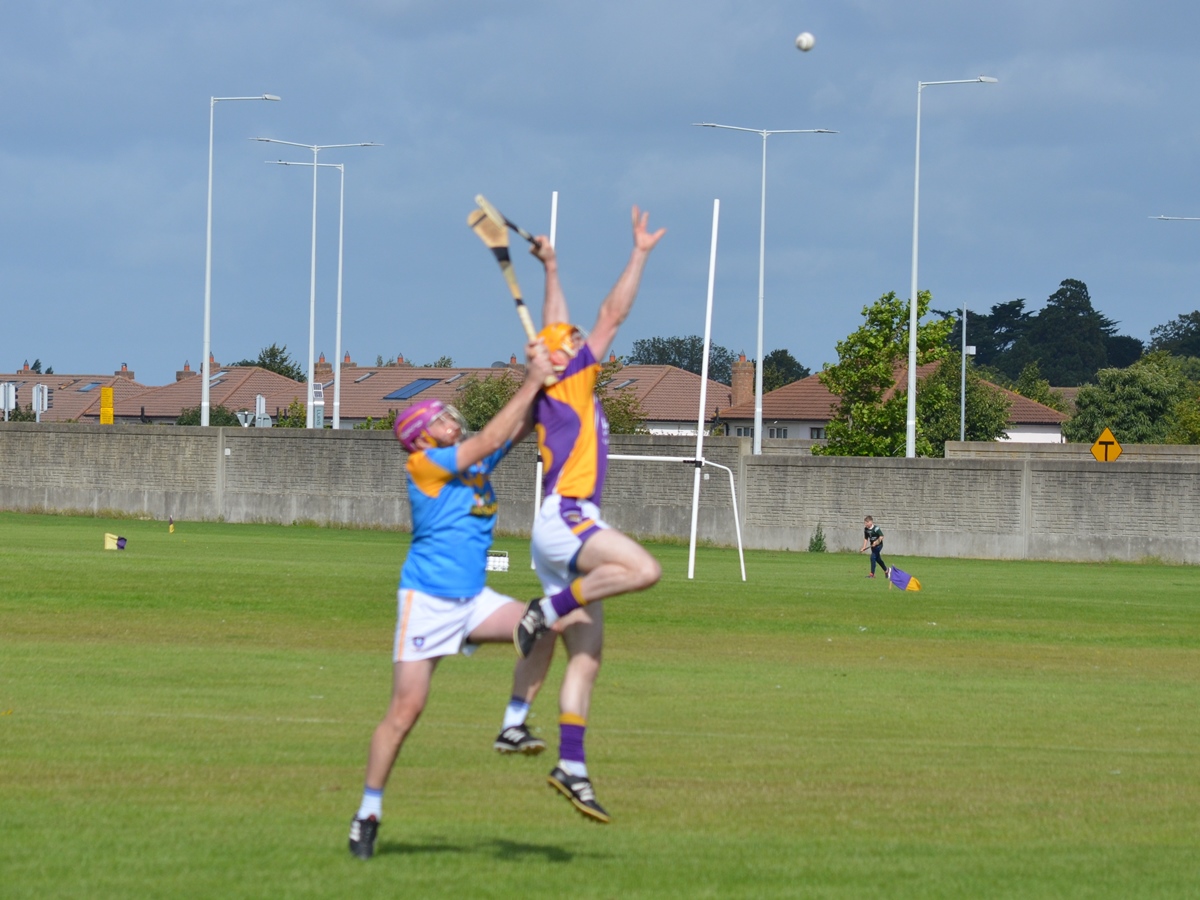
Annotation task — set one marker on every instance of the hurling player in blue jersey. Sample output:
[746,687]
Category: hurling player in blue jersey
[444,606]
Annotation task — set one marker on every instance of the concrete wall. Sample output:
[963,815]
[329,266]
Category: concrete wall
[984,500]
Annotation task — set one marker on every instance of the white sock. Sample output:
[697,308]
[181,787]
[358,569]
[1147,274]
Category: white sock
[548,611]
[571,767]
[515,713]
[372,804]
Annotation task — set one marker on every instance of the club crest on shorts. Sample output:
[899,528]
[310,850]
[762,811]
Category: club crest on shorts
[418,642]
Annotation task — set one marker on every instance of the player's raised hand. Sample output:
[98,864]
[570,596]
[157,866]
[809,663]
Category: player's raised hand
[542,249]
[538,366]
[643,239]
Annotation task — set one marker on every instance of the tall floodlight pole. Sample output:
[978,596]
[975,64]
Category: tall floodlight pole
[205,374]
[337,365]
[762,243]
[962,392]
[312,282]
[910,440]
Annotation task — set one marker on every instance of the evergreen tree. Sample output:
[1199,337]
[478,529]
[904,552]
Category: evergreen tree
[276,359]
[780,368]
[686,353]
[1179,337]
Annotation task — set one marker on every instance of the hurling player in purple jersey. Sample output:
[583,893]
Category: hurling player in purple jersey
[580,559]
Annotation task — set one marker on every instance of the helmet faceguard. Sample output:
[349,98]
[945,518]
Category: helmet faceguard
[564,337]
[414,422]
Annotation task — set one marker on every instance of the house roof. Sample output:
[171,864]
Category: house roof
[230,386]
[666,393]
[809,400]
[74,395]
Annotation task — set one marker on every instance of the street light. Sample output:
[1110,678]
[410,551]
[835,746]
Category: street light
[910,441]
[962,401]
[337,371]
[312,286]
[205,374]
[762,238]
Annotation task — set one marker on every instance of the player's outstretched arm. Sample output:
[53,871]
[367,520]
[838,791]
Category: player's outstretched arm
[513,420]
[616,306]
[554,306]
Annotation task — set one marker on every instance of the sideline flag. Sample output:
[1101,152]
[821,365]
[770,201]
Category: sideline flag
[902,580]
[170,524]
[113,542]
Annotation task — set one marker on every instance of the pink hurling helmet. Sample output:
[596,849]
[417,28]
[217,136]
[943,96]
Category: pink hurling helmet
[415,421]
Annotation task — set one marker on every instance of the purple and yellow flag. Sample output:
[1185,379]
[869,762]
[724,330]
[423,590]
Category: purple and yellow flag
[902,580]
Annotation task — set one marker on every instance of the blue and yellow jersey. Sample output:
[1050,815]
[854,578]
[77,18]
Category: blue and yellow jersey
[572,432]
[453,516]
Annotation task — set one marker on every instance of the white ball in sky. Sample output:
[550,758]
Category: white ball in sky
[805,41]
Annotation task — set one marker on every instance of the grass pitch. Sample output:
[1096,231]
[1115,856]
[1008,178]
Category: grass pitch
[190,717]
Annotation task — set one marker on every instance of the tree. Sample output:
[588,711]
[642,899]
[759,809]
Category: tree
[939,410]
[622,408]
[1179,337]
[1185,422]
[780,368]
[686,353]
[295,416]
[872,411]
[480,400]
[217,416]
[276,359]
[1069,339]
[1137,403]
[17,414]
[387,423]
[442,362]
[1032,385]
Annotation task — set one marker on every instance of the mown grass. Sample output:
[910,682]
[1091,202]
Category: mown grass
[189,717]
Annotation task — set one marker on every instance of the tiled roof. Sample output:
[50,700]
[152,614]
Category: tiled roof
[671,394]
[232,387]
[809,400]
[666,393]
[74,395]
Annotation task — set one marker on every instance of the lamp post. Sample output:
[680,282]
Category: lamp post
[205,374]
[312,285]
[337,371]
[910,440]
[762,239]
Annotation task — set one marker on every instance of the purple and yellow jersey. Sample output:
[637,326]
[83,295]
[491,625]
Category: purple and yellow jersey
[453,515]
[572,432]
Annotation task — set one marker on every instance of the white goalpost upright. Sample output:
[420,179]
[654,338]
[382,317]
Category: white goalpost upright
[698,462]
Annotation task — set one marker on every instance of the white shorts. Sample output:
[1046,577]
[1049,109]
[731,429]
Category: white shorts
[562,527]
[428,626]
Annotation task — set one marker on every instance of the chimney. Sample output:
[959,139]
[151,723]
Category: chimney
[124,372]
[612,356]
[346,364]
[512,360]
[322,369]
[743,381]
[185,372]
[213,365]
[26,369]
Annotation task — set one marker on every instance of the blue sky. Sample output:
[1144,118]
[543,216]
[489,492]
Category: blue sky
[1053,173]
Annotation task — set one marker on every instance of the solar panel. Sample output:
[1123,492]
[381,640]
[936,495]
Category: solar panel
[89,387]
[412,389]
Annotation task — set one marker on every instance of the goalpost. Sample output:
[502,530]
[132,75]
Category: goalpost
[698,461]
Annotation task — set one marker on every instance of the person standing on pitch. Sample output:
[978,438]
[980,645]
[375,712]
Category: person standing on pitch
[579,558]
[444,606]
[873,540]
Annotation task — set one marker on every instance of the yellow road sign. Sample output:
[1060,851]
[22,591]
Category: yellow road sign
[1106,448]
